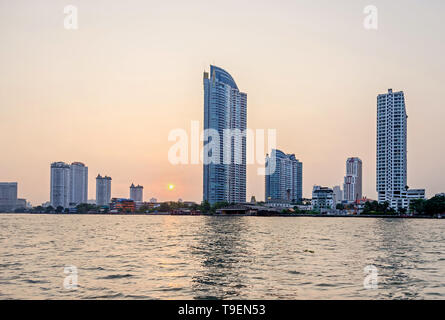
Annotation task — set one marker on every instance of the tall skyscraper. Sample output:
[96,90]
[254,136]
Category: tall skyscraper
[391,148]
[60,185]
[78,183]
[136,193]
[225,108]
[103,190]
[353,180]
[284,179]
[8,196]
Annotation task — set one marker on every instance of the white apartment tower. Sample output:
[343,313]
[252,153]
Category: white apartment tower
[392,149]
[103,190]
[60,185]
[136,193]
[78,183]
[352,187]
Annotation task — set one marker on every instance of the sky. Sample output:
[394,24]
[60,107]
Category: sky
[109,93]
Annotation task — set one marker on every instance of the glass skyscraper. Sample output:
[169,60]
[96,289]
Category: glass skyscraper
[225,123]
[284,179]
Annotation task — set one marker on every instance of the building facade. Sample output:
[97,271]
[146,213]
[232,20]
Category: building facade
[353,180]
[225,123]
[60,185]
[136,193]
[78,183]
[392,181]
[338,194]
[122,205]
[284,177]
[323,198]
[103,191]
[8,196]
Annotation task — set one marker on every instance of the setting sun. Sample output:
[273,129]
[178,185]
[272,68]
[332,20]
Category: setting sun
[171,186]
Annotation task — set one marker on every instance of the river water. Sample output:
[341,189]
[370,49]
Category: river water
[204,257]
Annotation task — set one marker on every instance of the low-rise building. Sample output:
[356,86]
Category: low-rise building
[280,204]
[122,205]
[323,198]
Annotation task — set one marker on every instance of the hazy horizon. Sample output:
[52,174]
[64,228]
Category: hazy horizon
[109,93]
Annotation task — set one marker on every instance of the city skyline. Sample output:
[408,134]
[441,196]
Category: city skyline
[320,116]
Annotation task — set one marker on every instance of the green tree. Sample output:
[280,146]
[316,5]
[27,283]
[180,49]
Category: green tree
[49,209]
[340,206]
[164,207]
[417,206]
[205,207]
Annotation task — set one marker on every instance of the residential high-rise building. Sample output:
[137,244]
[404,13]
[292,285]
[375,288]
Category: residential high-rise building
[8,196]
[352,187]
[392,181]
[338,194]
[78,183]
[284,177]
[225,123]
[103,190]
[136,193]
[391,147]
[60,185]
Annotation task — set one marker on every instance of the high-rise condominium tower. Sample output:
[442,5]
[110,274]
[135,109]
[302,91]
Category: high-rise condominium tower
[353,180]
[136,193]
[391,148]
[103,190]
[79,183]
[225,122]
[60,184]
[8,196]
[284,179]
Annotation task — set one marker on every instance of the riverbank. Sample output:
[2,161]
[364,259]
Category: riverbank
[230,215]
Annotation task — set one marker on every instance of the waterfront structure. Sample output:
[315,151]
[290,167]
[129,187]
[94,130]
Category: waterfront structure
[103,191]
[21,204]
[353,180]
[8,196]
[225,123]
[136,193]
[392,183]
[284,177]
[60,185]
[78,183]
[338,194]
[122,205]
[322,198]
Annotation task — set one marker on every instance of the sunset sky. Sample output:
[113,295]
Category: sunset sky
[109,93]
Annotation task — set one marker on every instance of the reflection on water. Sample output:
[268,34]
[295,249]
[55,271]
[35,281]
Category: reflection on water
[173,257]
[222,252]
